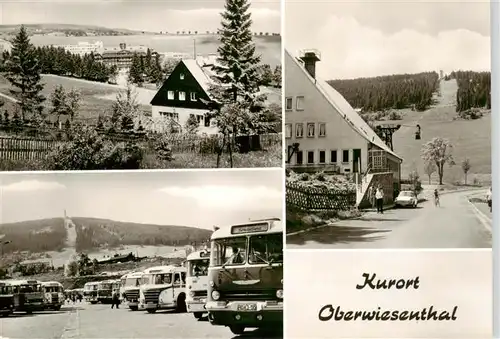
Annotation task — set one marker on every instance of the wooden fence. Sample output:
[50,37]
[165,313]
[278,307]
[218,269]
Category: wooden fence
[25,148]
[313,199]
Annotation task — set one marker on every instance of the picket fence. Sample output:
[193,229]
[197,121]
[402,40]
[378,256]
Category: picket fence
[25,148]
[317,199]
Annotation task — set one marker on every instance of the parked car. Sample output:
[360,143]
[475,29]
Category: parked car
[406,199]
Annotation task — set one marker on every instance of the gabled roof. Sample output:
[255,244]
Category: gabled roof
[200,73]
[345,109]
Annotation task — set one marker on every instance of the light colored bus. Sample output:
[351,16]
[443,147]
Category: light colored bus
[28,295]
[90,292]
[245,277]
[162,288]
[129,289]
[53,295]
[197,282]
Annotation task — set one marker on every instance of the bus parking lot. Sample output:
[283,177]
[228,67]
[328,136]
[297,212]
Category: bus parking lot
[86,321]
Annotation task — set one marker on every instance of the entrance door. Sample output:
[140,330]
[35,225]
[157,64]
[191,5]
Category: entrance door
[356,160]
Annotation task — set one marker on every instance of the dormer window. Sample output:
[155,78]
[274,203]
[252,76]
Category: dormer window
[182,76]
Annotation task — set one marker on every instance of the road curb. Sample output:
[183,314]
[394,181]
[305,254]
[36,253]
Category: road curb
[320,226]
[482,217]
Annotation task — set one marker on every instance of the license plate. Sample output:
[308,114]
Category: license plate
[247,307]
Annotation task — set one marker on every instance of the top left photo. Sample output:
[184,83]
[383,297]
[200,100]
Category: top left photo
[110,85]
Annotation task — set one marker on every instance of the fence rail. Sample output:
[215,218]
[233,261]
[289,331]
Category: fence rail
[24,148]
[319,198]
[34,148]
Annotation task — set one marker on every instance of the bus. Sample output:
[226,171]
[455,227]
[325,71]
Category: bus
[27,295]
[245,276]
[6,299]
[53,295]
[197,282]
[90,292]
[129,289]
[105,291]
[163,288]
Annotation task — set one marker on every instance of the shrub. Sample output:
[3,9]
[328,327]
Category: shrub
[87,150]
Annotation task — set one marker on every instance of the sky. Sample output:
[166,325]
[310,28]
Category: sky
[187,198]
[371,37]
[156,15]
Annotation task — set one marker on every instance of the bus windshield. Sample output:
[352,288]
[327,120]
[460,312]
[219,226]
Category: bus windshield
[228,251]
[132,282]
[29,288]
[198,267]
[105,286]
[266,249]
[52,289]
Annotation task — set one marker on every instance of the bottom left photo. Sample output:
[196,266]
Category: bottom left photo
[168,254]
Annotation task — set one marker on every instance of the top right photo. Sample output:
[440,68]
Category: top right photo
[387,124]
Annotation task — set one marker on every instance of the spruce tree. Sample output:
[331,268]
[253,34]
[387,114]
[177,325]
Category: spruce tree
[23,73]
[135,74]
[238,64]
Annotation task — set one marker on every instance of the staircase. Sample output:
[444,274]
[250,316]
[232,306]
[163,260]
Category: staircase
[362,187]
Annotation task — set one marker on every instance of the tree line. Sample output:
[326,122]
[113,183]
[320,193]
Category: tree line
[146,68]
[57,61]
[474,89]
[389,92]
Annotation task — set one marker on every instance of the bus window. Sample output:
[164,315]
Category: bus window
[165,278]
[198,267]
[229,251]
[265,249]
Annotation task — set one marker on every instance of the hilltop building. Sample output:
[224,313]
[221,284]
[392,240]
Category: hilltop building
[324,133]
[122,56]
[84,47]
[5,46]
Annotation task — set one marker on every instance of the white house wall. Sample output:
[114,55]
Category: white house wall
[183,114]
[317,109]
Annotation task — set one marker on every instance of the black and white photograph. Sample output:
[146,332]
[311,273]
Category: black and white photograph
[99,85]
[142,254]
[387,124]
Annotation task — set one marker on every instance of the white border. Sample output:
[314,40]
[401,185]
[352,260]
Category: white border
[495,141]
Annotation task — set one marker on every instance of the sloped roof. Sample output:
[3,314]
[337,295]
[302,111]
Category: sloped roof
[345,109]
[200,73]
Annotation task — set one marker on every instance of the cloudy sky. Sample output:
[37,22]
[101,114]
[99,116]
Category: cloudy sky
[201,198]
[144,15]
[370,37]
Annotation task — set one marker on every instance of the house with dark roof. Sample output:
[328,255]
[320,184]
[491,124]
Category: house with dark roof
[324,133]
[186,93]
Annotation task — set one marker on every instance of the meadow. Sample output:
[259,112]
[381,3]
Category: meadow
[471,139]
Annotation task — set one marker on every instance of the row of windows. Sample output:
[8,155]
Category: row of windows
[299,157]
[299,103]
[202,120]
[181,96]
[311,130]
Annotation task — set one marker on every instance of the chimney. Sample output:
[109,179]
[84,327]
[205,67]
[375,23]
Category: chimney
[310,57]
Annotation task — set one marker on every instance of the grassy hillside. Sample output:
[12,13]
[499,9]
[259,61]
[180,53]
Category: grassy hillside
[50,235]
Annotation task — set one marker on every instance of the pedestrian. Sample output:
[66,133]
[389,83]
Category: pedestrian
[489,199]
[115,300]
[379,196]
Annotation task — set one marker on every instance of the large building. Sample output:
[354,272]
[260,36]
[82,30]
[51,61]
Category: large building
[185,93]
[121,56]
[84,47]
[324,133]
[5,46]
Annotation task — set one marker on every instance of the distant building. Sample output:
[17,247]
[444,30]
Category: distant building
[84,47]
[122,56]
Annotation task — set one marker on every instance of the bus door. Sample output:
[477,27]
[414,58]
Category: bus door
[179,283]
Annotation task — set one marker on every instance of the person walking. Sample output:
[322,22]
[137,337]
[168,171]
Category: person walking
[489,199]
[115,300]
[379,196]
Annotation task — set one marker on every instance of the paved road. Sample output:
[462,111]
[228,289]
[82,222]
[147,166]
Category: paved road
[87,321]
[456,224]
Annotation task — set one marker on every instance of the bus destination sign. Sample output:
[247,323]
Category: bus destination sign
[253,228]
